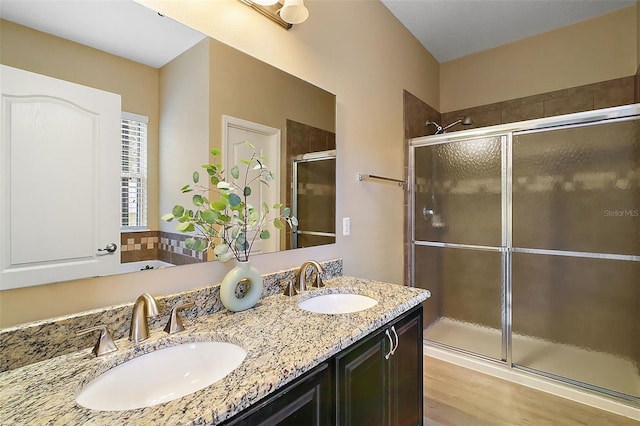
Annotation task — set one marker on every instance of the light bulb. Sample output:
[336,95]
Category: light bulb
[294,11]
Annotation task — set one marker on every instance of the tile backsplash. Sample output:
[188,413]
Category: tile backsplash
[158,245]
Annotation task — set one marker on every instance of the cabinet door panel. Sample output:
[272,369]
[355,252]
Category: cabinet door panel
[407,390]
[306,402]
[362,394]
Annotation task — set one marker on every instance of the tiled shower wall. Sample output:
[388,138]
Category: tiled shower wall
[605,94]
[611,93]
[157,245]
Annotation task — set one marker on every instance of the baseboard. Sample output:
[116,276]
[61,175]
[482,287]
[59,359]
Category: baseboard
[533,381]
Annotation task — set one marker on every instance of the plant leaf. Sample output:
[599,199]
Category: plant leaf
[294,221]
[264,235]
[215,151]
[198,200]
[278,223]
[197,244]
[234,200]
[219,205]
[196,177]
[287,212]
[247,191]
[168,217]
[210,216]
[235,172]
[185,227]
[178,211]
[226,257]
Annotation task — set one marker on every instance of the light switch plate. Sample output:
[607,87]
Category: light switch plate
[346,226]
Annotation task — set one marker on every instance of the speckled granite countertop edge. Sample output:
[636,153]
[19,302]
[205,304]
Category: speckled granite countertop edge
[282,343]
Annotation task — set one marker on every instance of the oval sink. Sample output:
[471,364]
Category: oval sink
[337,303]
[161,376]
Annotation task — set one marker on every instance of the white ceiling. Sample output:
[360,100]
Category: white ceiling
[120,27]
[451,29]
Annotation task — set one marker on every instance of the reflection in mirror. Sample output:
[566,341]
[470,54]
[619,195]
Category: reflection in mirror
[182,90]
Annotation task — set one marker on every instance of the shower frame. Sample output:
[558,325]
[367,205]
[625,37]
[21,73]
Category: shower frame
[306,158]
[506,133]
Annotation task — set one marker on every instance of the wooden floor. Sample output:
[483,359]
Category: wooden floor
[455,395]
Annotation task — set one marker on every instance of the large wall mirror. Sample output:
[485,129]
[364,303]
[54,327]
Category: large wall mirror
[184,93]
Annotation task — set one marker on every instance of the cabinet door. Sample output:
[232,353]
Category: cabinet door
[406,372]
[362,395]
[307,401]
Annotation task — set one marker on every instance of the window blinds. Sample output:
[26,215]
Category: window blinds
[133,189]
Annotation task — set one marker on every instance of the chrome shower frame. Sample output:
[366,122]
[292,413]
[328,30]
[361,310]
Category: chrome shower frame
[306,158]
[506,133]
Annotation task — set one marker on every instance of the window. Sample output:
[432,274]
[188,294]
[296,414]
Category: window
[133,189]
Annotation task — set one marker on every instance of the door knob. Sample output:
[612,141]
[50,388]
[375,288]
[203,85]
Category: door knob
[110,248]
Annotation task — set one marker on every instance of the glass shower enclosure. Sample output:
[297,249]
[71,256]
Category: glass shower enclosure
[314,199]
[528,236]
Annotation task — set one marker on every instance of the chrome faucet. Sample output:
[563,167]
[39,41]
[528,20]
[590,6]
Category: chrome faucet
[145,307]
[302,275]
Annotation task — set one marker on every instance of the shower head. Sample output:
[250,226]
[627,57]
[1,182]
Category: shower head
[465,121]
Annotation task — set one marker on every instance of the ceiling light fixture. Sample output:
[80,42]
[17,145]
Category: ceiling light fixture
[294,12]
[285,15]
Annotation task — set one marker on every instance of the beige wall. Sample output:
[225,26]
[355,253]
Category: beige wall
[247,88]
[366,62]
[599,49]
[184,125]
[31,50]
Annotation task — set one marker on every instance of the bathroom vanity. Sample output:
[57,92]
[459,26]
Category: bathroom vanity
[301,367]
[376,381]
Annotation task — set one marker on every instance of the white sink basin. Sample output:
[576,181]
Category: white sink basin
[161,376]
[337,303]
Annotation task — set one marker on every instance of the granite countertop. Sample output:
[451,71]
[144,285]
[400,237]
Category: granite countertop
[282,342]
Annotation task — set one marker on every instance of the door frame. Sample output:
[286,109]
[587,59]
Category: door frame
[275,137]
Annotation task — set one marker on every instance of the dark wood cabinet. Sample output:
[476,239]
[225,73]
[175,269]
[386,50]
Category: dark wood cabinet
[307,401]
[375,382]
[406,371]
[362,383]
[379,379]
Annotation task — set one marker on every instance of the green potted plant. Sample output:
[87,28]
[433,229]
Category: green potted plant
[228,224]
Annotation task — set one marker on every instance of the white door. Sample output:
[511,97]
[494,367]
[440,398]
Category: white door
[267,143]
[59,180]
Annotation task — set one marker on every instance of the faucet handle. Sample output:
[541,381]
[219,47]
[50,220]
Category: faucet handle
[317,282]
[290,289]
[105,344]
[175,321]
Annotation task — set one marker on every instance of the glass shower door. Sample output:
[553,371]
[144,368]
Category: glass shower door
[314,199]
[576,260]
[458,242]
